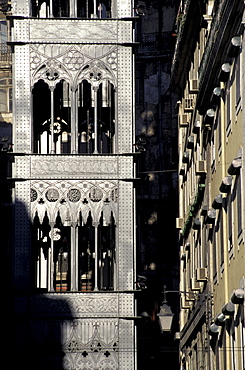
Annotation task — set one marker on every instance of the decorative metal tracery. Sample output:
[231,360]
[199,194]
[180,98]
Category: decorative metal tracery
[74,225]
[78,115]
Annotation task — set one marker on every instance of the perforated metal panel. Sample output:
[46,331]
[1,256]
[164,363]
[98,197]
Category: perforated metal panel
[20,7]
[127,347]
[125,237]
[21,101]
[124,8]
[125,117]
[22,235]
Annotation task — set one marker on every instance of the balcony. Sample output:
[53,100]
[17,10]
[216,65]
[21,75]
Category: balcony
[155,42]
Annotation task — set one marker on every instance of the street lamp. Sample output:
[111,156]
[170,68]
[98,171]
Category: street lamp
[166,315]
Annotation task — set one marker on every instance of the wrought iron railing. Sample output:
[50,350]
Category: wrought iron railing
[155,42]
[5,53]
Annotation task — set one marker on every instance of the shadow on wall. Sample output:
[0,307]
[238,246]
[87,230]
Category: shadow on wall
[5,134]
[55,330]
[36,329]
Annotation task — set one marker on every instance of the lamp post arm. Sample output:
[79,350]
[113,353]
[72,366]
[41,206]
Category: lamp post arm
[184,292]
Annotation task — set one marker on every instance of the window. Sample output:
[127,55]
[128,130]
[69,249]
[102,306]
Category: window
[74,258]
[228,109]
[214,245]
[238,81]
[238,187]
[6,95]
[218,132]
[229,200]
[73,9]
[74,235]
[221,239]
[64,122]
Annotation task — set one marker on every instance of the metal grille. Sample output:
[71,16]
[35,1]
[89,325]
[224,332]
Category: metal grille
[155,42]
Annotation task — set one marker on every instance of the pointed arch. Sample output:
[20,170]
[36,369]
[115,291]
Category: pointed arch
[96,108]
[95,72]
[51,71]
[51,117]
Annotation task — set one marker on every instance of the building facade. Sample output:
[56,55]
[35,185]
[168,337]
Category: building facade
[208,74]
[73,184]
[86,205]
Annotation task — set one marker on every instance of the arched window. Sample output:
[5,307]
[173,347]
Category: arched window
[78,258]
[96,105]
[51,127]
[73,120]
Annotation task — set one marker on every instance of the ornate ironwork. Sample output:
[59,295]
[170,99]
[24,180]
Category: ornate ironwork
[155,42]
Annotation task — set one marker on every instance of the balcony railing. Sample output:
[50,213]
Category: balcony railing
[5,53]
[155,42]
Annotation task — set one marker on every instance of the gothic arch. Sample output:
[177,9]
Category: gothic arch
[51,71]
[95,72]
